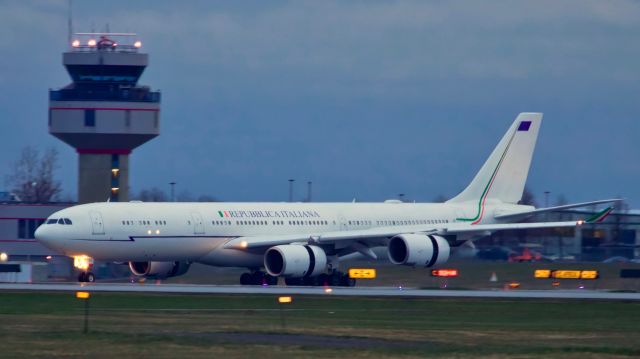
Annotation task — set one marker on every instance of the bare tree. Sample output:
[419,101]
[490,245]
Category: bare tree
[184,196]
[32,176]
[152,195]
[528,198]
[440,199]
[207,198]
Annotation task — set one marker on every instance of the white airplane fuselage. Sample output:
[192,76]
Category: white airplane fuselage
[197,232]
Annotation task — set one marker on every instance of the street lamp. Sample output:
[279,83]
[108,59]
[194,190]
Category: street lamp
[291,189]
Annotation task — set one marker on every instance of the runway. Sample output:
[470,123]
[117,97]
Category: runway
[334,291]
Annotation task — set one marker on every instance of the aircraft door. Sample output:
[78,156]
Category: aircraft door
[343,222]
[198,223]
[97,225]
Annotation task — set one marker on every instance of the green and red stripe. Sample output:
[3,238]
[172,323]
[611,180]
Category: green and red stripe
[487,188]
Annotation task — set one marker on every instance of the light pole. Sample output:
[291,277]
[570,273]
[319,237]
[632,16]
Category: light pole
[291,189]
[546,218]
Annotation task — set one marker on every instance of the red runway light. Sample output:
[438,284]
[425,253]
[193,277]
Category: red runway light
[444,273]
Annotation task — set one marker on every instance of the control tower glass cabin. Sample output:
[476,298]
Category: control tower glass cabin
[104,113]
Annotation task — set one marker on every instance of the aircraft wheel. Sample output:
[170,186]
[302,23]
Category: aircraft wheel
[90,277]
[271,280]
[245,278]
[257,278]
[345,281]
[323,280]
[334,279]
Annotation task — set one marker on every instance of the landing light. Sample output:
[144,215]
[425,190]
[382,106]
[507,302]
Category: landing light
[4,257]
[157,231]
[91,42]
[137,44]
[149,231]
[244,244]
[580,222]
[82,262]
[75,43]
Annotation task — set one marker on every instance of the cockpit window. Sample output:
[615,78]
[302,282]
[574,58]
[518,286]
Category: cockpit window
[67,221]
[52,221]
[60,221]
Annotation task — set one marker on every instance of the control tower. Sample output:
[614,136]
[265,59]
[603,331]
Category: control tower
[104,113]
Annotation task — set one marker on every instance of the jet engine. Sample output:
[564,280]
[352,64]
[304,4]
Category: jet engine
[418,249]
[295,261]
[160,270]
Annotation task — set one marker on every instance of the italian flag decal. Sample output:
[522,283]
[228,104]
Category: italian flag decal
[223,214]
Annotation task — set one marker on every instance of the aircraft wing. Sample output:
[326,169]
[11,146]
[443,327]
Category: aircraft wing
[521,215]
[375,234]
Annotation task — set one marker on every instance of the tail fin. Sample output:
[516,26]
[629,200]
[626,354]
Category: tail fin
[503,175]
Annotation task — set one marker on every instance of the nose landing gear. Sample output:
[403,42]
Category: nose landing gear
[86,277]
[84,263]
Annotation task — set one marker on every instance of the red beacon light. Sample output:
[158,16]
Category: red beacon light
[444,273]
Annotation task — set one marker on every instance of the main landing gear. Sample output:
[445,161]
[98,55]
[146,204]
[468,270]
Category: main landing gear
[335,279]
[257,278]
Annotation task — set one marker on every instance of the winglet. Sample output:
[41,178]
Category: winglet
[600,216]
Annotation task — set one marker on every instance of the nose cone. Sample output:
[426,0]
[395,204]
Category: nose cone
[43,235]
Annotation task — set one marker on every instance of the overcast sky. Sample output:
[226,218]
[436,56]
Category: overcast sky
[367,99]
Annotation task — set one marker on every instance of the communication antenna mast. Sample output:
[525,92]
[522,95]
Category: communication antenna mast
[69,24]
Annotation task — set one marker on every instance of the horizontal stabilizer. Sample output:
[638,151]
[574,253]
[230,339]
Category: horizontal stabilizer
[520,215]
[600,216]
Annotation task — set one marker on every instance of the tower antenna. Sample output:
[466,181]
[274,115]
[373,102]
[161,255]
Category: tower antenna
[70,24]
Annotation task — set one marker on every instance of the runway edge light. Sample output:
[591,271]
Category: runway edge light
[444,273]
[83,295]
[285,299]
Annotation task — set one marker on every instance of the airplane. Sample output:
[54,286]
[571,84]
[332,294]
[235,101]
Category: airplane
[303,242]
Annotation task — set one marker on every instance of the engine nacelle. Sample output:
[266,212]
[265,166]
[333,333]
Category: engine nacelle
[418,249]
[295,261]
[160,270]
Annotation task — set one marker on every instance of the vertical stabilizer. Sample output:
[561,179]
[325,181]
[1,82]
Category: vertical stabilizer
[503,175]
